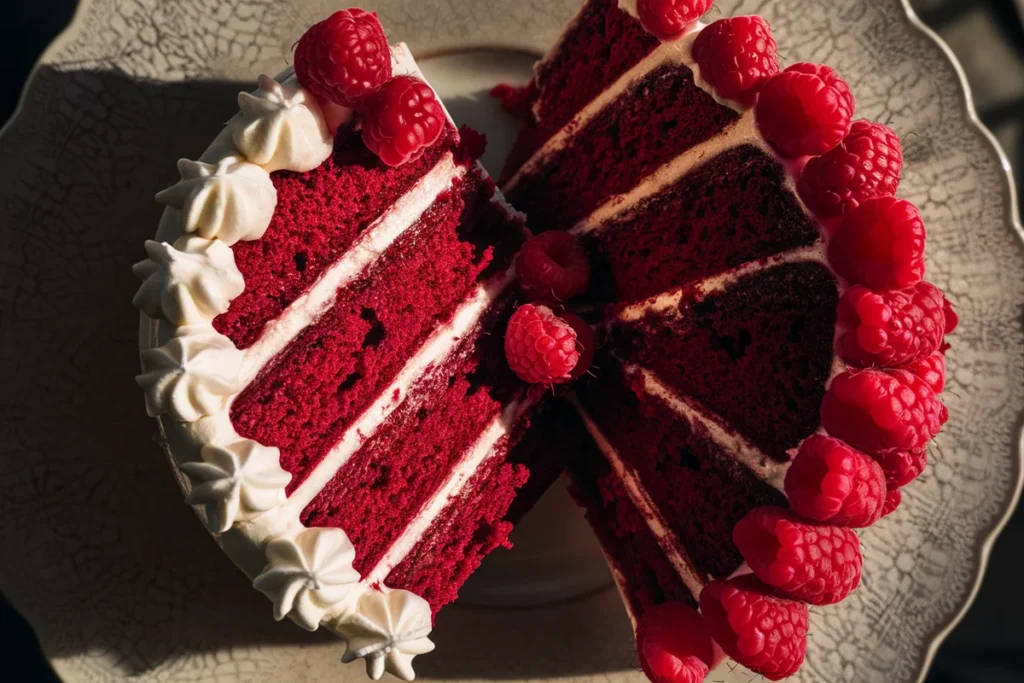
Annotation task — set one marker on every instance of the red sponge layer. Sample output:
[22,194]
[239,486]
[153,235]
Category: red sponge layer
[318,216]
[732,210]
[701,490]
[758,355]
[408,459]
[661,116]
[469,528]
[623,533]
[337,367]
[602,44]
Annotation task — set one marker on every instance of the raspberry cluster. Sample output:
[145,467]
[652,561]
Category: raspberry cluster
[346,59]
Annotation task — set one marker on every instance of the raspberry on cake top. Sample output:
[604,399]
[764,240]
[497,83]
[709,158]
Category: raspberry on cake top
[770,355]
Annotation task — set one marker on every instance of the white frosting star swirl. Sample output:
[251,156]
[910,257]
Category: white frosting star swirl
[230,200]
[306,575]
[388,630]
[189,283]
[281,127]
[190,376]
[235,482]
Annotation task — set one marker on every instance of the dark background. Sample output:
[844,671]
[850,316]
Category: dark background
[988,37]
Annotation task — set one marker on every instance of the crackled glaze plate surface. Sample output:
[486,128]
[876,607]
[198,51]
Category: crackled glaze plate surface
[116,574]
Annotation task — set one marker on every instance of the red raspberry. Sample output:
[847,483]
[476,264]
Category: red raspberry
[902,467]
[553,265]
[586,343]
[815,563]
[892,501]
[890,328]
[403,119]
[804,110]
[669,19]
[540,347]
[932,370]
[878,411]
[866,164]
[736,56]
[763,632]
[344,58]
[880,244]
[673,645]
[831,482]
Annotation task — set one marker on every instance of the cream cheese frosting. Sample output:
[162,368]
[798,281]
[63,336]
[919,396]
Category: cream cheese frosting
[307,574]
[230,200]
[188,283]
[387,629]
[236,482]
[192,375]
[281,126]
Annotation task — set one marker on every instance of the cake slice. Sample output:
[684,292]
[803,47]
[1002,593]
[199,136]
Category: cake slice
[757,287]
[329,283]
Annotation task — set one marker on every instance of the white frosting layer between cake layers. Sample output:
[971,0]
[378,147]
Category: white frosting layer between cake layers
[668,302]
[449,492]
[666,538]
[305,310]
[730,441]
[438,347]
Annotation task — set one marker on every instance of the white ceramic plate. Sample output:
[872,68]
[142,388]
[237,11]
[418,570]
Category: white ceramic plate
[116,574]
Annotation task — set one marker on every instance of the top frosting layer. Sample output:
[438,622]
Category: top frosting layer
[281,127]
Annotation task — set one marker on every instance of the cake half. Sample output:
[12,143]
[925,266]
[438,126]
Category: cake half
[329,371]
[725,305]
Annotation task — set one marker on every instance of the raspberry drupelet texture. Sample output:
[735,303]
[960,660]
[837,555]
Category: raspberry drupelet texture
[815,563]
[805,110]
[866,164]
[878,411]
[403,119]
[736,56]
[880,245]
[892,501]
[540,347]
[763,632]
[902,467]
[932,370]
[586,343]
[669,19]
[673,645]
[344,58]
[834,483]
[890,328]
[553,265]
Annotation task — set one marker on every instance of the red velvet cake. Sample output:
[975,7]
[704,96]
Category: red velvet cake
[332,282]
[765,380]
[718,323]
